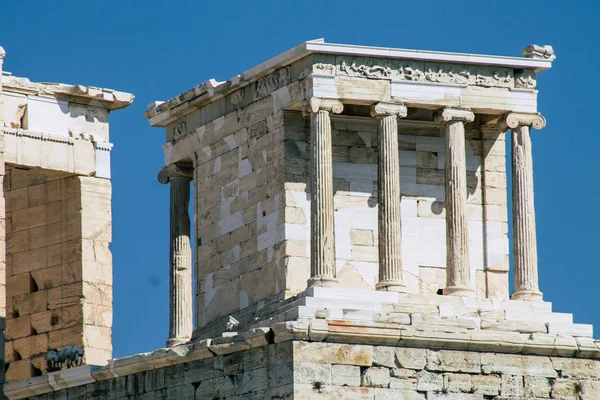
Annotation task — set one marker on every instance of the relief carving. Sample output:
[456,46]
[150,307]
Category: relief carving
[179,131]
[525,79]
[237,97]
[328,69]
[366,70]
[268,84]
[418,71]
[410,71]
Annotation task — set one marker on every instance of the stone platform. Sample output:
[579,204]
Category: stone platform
[333,343]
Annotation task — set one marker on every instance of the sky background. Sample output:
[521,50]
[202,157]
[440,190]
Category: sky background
[158,49]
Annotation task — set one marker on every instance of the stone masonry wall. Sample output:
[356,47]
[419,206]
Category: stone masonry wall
[336,371]
[255,374]
[422,175]
[59,268]
[239,164]
[313,370]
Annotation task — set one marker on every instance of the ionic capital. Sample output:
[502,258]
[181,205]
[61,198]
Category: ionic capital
[380,110]
[514,120]
[2,53]
[453,115]
[316,104]
[175,171]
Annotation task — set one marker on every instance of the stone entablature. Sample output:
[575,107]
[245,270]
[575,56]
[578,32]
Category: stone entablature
[58,127]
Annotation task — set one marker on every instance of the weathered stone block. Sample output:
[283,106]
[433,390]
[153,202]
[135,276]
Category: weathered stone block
[333,353]
[486,384]
[345,375]
[310,373]
[537,386]
[458,383]
[375,377]
[454,361]
[427,381]
[512,386]
[514,364]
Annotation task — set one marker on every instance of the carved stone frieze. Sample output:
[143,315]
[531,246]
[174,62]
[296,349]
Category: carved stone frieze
[525,79]
[237,97]
[265,86]
[324,68]
[419,71]
[368,69]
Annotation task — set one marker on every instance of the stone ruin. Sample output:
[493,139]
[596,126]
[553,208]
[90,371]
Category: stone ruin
[351,225]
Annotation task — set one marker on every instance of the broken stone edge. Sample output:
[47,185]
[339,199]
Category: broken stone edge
[88,95]
[314,330]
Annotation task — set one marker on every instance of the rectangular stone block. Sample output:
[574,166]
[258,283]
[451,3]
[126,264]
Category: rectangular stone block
[513,364]
[580,330]
[333,353]
[454,361]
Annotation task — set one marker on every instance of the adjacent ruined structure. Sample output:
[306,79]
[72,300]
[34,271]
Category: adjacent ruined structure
[55,215]
[351,238]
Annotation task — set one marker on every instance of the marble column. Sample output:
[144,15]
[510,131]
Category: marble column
[524,231]
[458,271]
[388,190]
[180,321]
[322,242]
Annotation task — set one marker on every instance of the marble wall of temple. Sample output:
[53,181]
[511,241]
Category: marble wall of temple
[56,217]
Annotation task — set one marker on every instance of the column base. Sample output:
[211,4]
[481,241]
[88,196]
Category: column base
[527,295]
[172,342]
[322,281]
[459,291]
[391,286]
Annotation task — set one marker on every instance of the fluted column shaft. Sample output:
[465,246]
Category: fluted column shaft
[180,321]
[388,190]
[524,230]
[458,271]
[322,260]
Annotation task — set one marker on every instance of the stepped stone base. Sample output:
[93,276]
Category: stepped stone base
[333,343]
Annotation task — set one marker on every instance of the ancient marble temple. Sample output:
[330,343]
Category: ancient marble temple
[351,241]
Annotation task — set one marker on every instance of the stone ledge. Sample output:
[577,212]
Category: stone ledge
[107,98]
[436,337]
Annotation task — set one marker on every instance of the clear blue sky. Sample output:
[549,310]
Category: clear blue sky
[158,49]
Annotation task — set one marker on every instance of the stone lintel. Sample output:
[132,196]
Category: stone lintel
[514,120]
[448,114]
[388,109]
[175,171]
